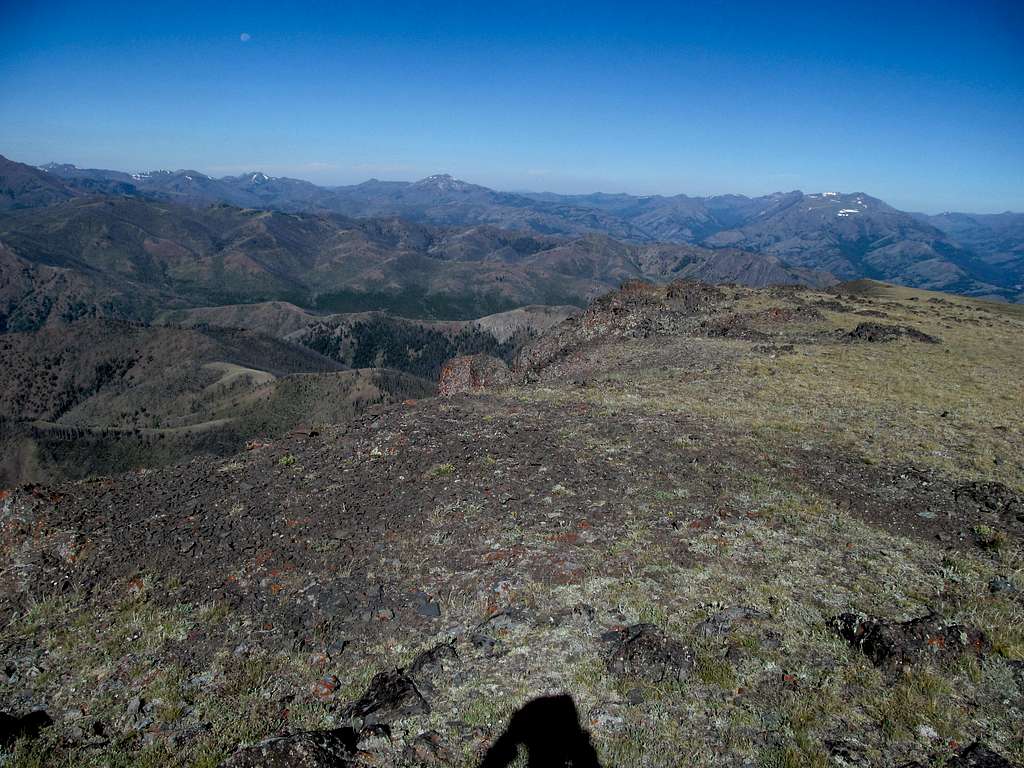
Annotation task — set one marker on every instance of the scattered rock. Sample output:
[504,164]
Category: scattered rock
[335,648]
[1001,584]
[134,707]
[606,717]
[579,612]
[503,620]
[892,644]
[325,687]
[312,749]
[774,349]
[643,650]
[879,332]
[374,738]
[991,497]
[391,696]
[431,665]
[847,753]
[484,642]
[977,755]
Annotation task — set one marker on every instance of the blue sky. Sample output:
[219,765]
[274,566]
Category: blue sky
[921,104]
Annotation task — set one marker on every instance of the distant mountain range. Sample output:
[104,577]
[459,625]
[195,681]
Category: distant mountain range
[843,235]
[74,253]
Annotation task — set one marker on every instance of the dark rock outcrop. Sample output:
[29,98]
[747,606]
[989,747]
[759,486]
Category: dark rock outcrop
[643,650]
[879,332]
[977,755]
[992,497]
[893,644]
[390,697]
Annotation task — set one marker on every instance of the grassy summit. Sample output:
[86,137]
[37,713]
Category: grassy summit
[735,467]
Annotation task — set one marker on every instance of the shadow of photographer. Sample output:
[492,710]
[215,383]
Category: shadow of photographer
[549,728]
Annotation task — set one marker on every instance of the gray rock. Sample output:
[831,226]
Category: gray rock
[1001,584]
[424,606]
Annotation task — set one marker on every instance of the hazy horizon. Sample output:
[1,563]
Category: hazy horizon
[230,172]
[923,111]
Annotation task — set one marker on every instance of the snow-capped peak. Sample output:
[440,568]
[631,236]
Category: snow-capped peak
[443,182]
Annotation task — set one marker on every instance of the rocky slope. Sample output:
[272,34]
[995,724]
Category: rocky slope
[744,527]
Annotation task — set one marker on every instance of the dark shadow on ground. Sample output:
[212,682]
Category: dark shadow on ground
[549,728]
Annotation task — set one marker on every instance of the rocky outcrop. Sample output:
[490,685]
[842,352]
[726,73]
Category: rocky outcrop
[879,332]
[472,373]
[391,696]
[898,643]
[991,497]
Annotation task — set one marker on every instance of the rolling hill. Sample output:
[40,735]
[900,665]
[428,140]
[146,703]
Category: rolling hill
[131,257]
[100,396]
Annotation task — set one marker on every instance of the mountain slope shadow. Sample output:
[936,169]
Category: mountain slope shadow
[549,728]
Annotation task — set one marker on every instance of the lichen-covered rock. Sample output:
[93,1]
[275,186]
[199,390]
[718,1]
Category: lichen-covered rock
[643,650]
[312,749]
[892,644]
[471,373]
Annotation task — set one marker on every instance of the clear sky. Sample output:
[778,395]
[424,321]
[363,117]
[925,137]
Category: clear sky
[919,103]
